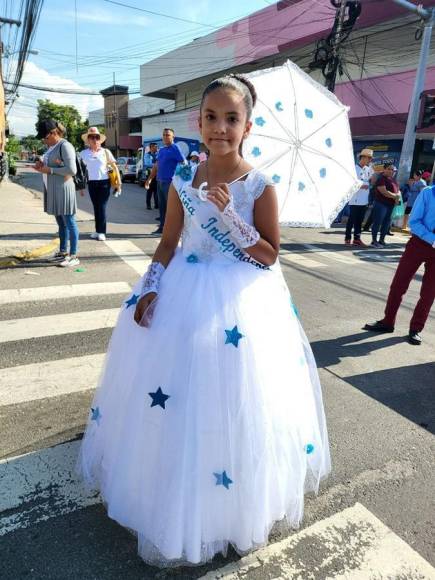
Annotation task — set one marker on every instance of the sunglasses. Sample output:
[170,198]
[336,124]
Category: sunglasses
[94,137]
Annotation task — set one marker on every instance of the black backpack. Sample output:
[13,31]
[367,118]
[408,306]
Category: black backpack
[81,177]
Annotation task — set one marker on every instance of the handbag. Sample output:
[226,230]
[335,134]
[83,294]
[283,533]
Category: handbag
[113,174]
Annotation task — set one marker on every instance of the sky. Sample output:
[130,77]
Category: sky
[82,43]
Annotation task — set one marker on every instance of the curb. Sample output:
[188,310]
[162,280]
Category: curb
[28,256]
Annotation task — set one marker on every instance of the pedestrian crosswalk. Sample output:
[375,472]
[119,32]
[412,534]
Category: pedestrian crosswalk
[40,486]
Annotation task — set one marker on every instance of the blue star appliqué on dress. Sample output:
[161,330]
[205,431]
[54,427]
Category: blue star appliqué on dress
[132,300]
[192,259]
[301,186]
[328,142]
[223,479]
[309,113]
[260,121]
[233,336]
[309,448]
[322,172]
[184,171]
[256,151]
[96,415]
[276,178]
[279,107]
[159,398]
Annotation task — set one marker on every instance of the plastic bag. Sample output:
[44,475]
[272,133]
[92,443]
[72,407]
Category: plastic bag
[399,210]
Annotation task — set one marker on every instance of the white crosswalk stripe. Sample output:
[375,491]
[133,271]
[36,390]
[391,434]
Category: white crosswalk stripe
[17,295]
[41,485]
[57,324]
[300,260]
[36,381]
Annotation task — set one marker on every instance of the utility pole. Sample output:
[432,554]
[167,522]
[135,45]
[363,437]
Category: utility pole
[4,169]
[335,60]
[408,146]
[115,118]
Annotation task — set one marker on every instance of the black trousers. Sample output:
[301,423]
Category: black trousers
[99,192]
[355,220]
[152,194]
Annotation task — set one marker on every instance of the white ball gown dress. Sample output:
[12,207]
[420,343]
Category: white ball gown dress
[208,427]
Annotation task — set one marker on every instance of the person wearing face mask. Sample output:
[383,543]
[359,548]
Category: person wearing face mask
[58,166]
[99,161]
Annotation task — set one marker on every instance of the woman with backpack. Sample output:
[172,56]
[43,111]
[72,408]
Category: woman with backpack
[99,163]
[58,167]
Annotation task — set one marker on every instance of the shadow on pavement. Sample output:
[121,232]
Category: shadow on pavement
[407,390]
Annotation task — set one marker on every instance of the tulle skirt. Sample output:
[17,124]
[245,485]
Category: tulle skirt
[207,427]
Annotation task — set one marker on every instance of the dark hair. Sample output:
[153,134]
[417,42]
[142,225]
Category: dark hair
[152,143]
[169,129]
[418,172]
[237,83]
[388,164]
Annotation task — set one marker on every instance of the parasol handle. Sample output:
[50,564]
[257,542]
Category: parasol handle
[202,193]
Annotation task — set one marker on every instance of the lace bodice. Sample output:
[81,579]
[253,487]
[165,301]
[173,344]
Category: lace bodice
[196,246]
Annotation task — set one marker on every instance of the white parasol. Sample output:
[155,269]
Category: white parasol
[301,139]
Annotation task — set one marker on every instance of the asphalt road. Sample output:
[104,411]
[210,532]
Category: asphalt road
[378,391]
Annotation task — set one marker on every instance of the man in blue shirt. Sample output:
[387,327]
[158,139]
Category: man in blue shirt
[167,160]
[151,159]
[419,250]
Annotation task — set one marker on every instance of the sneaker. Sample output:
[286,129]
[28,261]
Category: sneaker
[414,338]
[383,244]
[94,235]
[101,237]
[347,242]
[70,262]
[390,234]
[60,255]
[376,245]
[158,231]
[359,243]
[378,326]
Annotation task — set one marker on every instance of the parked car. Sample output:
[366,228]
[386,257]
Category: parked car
[127,168]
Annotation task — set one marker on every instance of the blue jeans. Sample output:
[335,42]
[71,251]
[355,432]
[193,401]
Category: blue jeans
[381,219]
[68,230]
[162,192]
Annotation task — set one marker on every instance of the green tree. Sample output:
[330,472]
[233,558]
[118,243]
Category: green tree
[31,143]
[13,149]
[68,115]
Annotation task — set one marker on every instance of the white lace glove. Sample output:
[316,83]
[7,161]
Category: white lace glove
[151,281]
[245,234]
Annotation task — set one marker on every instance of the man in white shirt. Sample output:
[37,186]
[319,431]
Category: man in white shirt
[359,201]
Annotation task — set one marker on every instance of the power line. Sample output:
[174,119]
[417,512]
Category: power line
[161,14]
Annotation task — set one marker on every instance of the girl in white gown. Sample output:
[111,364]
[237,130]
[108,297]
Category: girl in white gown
[208,425]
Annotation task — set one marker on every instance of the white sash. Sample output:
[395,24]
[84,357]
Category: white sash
[206,219]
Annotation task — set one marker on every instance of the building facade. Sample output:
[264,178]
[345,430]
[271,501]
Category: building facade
[379,64]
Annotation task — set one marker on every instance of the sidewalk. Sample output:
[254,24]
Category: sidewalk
[26,231]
